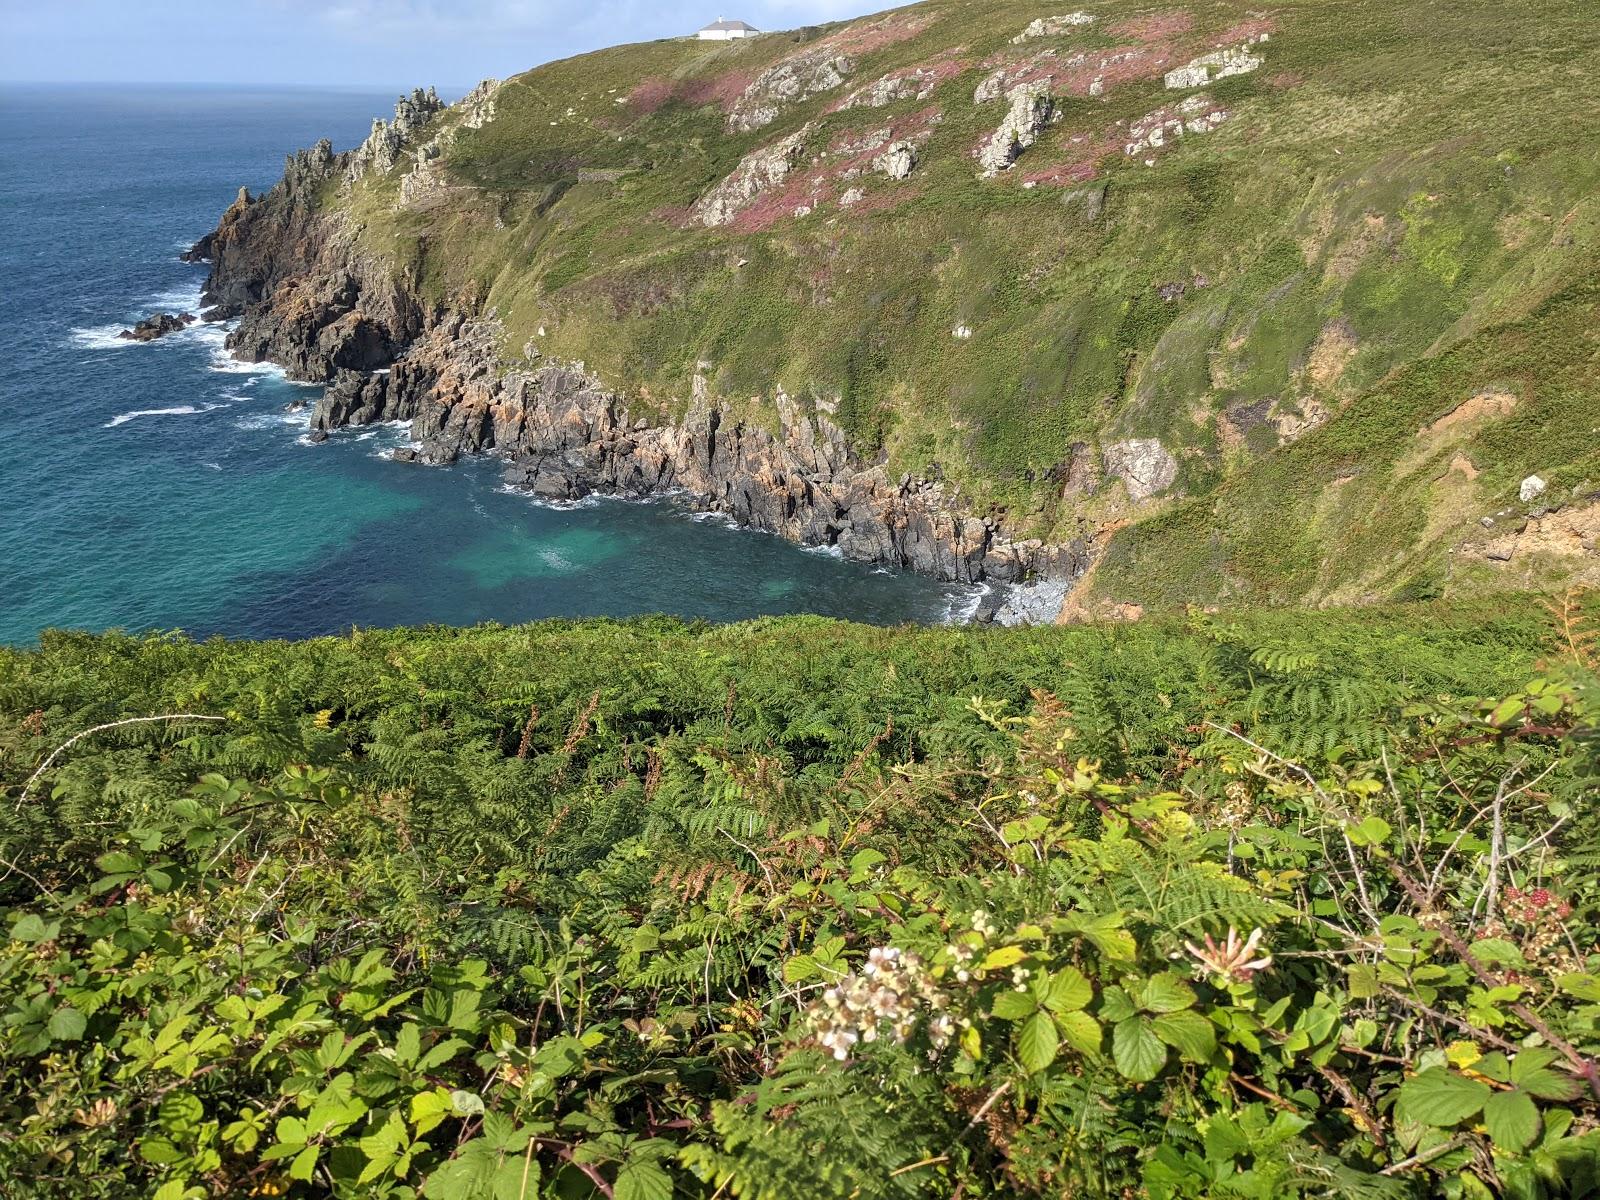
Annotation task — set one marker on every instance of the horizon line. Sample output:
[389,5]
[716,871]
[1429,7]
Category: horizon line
[234,84]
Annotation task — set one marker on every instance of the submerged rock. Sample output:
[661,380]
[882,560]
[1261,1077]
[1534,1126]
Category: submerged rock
[151,328]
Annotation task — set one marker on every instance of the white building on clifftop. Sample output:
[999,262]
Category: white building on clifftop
[725,31]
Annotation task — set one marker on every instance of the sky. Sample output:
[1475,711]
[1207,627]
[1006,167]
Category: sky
[350,43]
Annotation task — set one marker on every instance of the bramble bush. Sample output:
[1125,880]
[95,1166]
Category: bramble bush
[1257,961]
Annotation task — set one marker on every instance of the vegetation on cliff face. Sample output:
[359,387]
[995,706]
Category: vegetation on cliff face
[1254,299]
[1264,907]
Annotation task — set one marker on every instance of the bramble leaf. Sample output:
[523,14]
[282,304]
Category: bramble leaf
[1512,1119]
[1037,1042]
[1440,1097]
[1136,1049]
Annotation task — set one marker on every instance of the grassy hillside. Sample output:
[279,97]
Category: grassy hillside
[645,910]
[1394,215]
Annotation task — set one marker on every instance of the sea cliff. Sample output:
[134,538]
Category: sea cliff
[307,297]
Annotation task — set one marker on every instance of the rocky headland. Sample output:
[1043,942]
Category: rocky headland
[1117,310]
[308,299]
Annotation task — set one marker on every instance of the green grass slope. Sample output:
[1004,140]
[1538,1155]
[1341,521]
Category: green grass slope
[1396,215]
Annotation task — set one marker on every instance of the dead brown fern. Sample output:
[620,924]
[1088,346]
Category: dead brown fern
[1578,629]
[652,773]
[580,727]
[527,731]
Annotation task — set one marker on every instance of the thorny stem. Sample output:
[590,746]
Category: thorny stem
[78,737]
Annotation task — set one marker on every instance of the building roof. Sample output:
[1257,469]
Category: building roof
[719,23]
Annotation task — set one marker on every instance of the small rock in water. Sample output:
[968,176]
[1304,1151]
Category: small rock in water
[149,329]
[404,454]
[317,436]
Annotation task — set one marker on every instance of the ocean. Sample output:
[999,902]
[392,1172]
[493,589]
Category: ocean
[165,486]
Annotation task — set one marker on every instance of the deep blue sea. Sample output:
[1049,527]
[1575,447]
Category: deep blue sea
[164,486]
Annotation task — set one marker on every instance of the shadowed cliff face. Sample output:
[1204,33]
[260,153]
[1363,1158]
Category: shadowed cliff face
[308,297]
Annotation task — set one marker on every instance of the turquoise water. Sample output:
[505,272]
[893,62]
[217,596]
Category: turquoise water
[164,486]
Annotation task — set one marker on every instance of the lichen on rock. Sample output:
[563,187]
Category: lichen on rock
[428,181]
[1219,64]
[1042,27]
[1154,130]
[1030,114]
[897,161]
[1144,465]
[915,84]
[759,171]
[795,78]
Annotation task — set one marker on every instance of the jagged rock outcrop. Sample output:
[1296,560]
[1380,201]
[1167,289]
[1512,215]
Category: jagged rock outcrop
[381,151]
[158,326]
[1029,115]
[427,181]
[477,107]
[808,73]
[759,171]
[898,160]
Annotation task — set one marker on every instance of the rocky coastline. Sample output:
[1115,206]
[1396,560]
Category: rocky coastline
[158,326]
[308,299]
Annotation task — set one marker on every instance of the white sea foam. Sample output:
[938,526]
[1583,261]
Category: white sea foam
[592,500]
[388,445]
[227,364]
[825,551]
[101,337]
[107,337]
[182,410]
[964,606]
[179,299]
[275,419]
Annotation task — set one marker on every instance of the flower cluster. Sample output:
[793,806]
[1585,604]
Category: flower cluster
[1234,961]
[887,999]
[964,950]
